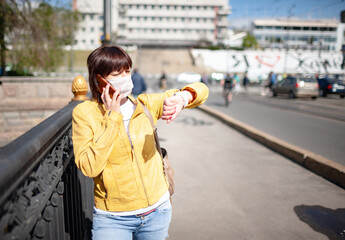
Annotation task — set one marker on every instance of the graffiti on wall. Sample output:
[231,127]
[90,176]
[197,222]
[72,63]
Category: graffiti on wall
[259,63]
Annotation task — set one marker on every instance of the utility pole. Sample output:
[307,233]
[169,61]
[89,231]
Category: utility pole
[74,8]
[106,22]
[290,14]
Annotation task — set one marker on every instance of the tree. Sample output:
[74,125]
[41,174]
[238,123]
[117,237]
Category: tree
[39,35]
[249,41]
[7,22]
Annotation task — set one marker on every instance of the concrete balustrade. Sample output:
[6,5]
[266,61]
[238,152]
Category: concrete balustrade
[27,101]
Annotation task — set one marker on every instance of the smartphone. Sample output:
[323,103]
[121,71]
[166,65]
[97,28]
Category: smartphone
[102,83]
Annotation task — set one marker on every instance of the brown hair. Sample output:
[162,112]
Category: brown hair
[103,61]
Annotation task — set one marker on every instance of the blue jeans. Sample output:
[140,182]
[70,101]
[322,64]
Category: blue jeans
[153,226]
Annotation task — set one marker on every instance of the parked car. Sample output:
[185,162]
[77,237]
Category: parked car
[189,77]
[331,86]
[297,87]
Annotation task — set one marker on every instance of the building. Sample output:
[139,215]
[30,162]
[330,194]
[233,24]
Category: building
[341,37]
[155,22]
[90,31]
[296,34]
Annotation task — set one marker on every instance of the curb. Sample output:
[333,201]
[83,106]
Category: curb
[322,166]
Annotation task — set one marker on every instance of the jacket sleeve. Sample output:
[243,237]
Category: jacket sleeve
[200,93]
[92,147]
[155,101]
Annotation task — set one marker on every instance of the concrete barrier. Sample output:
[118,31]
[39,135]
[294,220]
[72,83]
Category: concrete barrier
[322,166]
[26,101]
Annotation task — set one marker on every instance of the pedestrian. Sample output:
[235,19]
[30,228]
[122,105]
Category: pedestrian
[114,144]
[269,84]
[237,86]
[245,82]
[228,83]
[204,78]
[163,81]
[138,82]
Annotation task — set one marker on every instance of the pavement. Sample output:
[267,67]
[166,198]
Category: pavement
[230,186]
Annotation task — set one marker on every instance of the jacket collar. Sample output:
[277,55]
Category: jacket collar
[138,106]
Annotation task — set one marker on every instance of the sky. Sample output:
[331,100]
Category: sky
[243,11]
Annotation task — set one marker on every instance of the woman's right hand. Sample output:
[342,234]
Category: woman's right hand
[112,104]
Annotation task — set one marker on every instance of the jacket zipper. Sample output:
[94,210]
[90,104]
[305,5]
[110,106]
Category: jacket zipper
[136,160]
[101,134]
[105,128]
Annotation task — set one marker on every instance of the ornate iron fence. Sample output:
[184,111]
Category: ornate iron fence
[42,193]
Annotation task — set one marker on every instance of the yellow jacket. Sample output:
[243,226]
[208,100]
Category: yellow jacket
[126,176]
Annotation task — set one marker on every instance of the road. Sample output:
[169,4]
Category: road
[315,125]
[231,187]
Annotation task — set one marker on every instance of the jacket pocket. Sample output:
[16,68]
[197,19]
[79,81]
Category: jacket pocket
[127,188]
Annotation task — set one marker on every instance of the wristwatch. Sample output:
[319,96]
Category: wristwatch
[184,98]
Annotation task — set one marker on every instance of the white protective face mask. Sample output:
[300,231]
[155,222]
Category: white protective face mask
[125,83]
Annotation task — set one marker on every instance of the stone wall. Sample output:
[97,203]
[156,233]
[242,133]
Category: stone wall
[26,101]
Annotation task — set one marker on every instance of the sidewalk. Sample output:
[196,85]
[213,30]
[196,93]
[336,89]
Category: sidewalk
[231,187]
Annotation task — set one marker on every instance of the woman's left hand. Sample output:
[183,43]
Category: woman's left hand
[172,107]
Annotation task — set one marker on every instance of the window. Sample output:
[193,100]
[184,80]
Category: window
[92,29]
[91,16]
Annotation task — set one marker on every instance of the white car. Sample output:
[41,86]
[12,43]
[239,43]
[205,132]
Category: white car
[189,77]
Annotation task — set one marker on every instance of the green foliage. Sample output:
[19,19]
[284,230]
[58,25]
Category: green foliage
[249,41]
[39,35]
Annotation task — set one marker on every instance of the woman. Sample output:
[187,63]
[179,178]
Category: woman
[114,144]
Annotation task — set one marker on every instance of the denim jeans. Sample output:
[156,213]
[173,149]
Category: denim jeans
[153,226]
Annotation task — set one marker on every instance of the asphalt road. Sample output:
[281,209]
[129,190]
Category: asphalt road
[315,125]
[228,186]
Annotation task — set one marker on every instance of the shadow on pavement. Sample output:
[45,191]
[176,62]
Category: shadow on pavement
[323,220]
[193,121]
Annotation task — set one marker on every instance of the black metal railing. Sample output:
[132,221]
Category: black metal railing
[42,193]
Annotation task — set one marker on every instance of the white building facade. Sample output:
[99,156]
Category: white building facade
[296,34]
[341,37]
[154,22]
